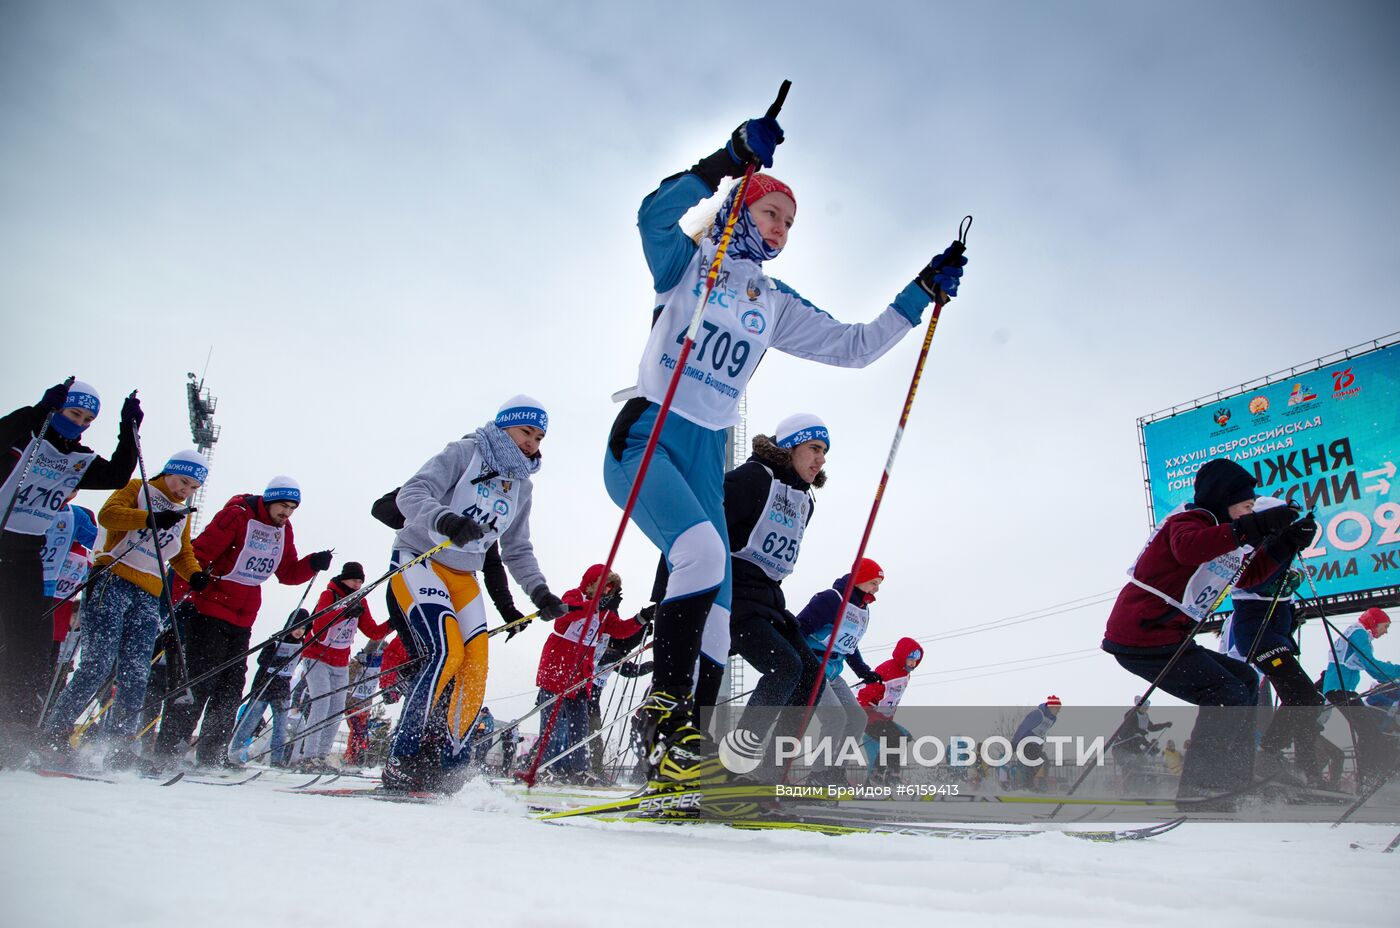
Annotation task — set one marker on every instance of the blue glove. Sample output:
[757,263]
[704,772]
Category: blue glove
[754,141]
[55,397]
[941,277]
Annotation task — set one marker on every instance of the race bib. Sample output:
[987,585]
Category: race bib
[142,544]
[1209,584]
[261,553]
[51,478]
[777,536]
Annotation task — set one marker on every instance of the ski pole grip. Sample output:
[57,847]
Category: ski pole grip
[778,103]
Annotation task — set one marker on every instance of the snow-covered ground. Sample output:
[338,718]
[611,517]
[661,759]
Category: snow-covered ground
[132,853]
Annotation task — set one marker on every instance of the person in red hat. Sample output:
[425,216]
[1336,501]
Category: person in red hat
[680,503]
[881,702]
[1351,655]
[817,621]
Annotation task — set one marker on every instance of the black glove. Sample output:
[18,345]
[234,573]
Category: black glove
[320,561]
[54,397]
[160,521]
[460,530]
[551,607]
[647,616]
[871,677]
[131,414]
[632,670]
[199,580]
[1300,534]
[512,616]
[610,602]
[1253,528]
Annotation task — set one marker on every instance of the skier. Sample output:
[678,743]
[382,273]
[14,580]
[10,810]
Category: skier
[1190,559]
[567,660]
[327,660]
[365,668]
[271,688]
[121,616]
[1132,747]
[881,702]
[680,502]
[768,502]
[474,492]
[246,543]
[1261,633]
[67,555]
[38,472]
[1029,742]
[816,620]
[1375,752]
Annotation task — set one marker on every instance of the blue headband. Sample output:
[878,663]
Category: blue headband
[187,464]
[523,415]
[801,436]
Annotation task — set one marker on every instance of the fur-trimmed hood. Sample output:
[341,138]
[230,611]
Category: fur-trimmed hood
[766,451]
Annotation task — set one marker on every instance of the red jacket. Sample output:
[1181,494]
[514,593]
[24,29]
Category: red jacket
[395,654]
[333,634]
[568,654]
[219,548]
[1141,619]
[882,699]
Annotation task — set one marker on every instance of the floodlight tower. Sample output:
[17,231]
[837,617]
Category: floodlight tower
[202,429]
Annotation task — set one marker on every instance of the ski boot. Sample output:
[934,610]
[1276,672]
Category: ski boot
[680,756]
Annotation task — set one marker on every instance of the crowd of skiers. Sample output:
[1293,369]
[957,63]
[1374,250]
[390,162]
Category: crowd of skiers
[160,605]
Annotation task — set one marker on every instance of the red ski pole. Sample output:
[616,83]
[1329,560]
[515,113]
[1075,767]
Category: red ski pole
[957,249]
[711,278]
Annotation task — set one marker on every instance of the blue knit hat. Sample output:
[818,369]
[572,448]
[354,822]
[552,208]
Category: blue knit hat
[189,464]
[800,428]
[282,489]
[522,410]
[83,396]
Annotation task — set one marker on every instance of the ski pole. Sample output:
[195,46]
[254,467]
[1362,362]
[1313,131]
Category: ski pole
[956,250]
[509,625]
[178,646]
[24,465]
[345,603]
[92,577]
[711,280]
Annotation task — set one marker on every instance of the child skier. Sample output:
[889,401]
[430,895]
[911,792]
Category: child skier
[567,660]
[680,502]
[121,615]
[271,688]
[67,555]
[327,660]
[1178,578]
[1353,653]
[881,701]
[1036,725]
[816,620]
[475,491]
[38,472]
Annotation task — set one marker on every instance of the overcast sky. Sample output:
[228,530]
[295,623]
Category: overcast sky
[385,219]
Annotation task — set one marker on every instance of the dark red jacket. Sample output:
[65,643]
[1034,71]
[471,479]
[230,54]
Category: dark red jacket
[333,634]
[395,655]
[568,654]
[218,548]
[1187,540]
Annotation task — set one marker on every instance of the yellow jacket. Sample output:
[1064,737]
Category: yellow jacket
[125,512]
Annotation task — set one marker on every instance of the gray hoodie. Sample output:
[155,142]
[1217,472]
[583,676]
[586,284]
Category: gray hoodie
[502,506]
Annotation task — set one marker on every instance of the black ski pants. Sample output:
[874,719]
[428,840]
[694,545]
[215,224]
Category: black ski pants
[208,643]
[26,641]
[790,668]
[1295,721]
[1222,742]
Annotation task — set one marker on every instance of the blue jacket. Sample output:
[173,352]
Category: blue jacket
[1037,723]
[1355,652]
[818,618]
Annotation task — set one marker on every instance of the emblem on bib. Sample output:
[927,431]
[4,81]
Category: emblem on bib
[753,322]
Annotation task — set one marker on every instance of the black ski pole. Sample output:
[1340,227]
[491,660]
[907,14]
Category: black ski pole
[23,466]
